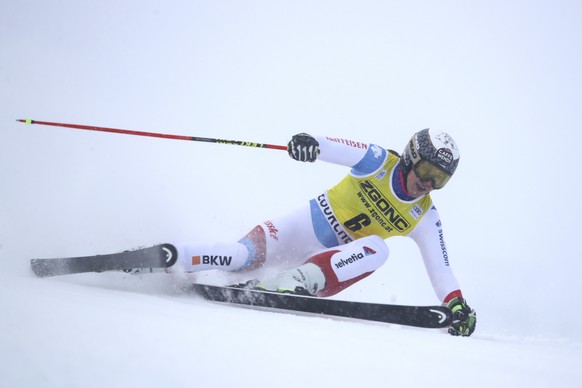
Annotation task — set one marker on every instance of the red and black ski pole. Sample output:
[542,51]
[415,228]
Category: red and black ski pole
[153,134]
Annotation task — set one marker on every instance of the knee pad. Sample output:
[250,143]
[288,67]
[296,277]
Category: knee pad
[256,243]
[358,257]
[347,264]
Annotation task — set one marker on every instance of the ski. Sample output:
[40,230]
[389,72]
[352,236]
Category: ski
[419,316]
[157,256]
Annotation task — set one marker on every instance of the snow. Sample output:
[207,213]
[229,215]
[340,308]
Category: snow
[122,331]
[502,78]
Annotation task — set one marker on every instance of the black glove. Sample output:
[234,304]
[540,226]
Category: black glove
[303,147]
[464,318]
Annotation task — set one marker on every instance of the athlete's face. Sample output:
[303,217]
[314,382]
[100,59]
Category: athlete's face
[416,187]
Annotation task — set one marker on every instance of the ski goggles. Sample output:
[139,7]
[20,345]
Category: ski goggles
[425,170]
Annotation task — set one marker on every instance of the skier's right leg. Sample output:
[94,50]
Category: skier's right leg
[284,241]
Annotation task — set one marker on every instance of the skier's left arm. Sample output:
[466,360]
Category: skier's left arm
[428,235]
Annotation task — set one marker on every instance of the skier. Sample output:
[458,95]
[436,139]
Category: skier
[338,238]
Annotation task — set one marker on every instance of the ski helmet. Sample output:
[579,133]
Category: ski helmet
[432,155]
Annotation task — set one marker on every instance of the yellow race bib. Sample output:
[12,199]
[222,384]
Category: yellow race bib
[367,205]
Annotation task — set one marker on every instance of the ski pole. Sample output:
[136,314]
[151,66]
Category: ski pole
[153,134]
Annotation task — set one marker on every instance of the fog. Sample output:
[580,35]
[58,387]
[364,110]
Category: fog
[502,78]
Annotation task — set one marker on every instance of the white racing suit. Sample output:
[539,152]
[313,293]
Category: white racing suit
[342,231]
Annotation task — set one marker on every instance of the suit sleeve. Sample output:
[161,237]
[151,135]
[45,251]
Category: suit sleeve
[363,158]
[428,235]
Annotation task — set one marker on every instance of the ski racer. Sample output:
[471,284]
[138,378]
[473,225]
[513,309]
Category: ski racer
[338,238]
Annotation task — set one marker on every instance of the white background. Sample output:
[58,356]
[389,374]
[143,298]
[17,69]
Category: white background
[503,78]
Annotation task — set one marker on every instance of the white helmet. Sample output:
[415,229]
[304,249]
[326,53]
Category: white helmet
[432,155]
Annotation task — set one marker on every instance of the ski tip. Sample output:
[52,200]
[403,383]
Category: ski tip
[442,316]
